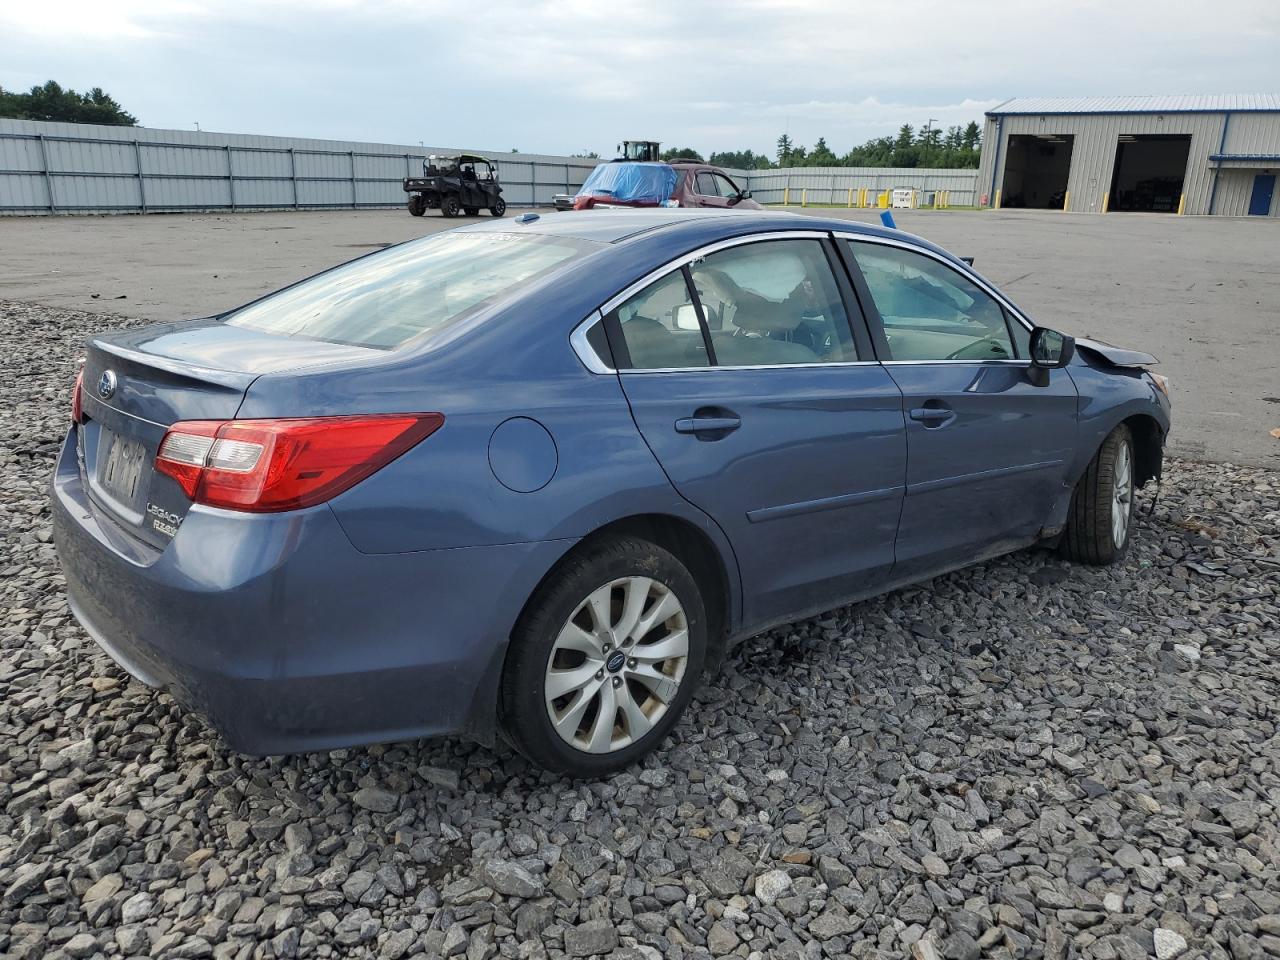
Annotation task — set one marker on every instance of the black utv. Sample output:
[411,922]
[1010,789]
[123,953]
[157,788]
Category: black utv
[455,185]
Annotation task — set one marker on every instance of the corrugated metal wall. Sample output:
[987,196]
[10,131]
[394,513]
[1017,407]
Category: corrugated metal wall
[85,168]
[82,168]
[832,184]
[1093,154]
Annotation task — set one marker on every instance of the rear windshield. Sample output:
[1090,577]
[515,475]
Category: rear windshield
[388,298]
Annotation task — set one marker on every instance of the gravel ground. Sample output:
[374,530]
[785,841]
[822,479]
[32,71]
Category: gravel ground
[1023,759]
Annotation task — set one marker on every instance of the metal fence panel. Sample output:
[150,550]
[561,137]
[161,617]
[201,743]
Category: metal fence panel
[85,168]
[840,185]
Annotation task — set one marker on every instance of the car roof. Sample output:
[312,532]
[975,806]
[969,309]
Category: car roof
[620,226]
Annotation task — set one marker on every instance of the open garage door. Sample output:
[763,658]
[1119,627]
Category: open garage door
[1149,173]
[1036,170]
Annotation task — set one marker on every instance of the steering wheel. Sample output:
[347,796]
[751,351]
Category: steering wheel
[988,348]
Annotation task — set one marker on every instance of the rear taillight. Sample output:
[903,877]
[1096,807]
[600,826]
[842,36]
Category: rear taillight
[266,466]
[77,405]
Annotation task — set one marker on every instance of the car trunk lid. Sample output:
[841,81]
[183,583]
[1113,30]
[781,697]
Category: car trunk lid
[138,383]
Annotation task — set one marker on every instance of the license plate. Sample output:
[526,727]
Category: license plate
[122,469]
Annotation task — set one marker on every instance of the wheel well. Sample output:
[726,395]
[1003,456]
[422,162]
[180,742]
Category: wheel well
[1148,448]
[696,551]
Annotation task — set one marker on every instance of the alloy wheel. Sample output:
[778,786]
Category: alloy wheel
[1121,495]
[616,664]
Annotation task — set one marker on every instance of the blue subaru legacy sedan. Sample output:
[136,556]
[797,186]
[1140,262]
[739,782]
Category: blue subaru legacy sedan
[533,478]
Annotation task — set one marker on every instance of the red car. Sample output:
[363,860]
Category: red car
[684,183]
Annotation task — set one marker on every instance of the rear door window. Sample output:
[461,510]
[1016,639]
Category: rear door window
[773,302]
[769,303]
[386,299]
[660,326]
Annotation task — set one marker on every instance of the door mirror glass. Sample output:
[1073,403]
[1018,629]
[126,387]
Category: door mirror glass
[686,317]
[1050,349]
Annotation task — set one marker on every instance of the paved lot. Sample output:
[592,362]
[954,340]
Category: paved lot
[1022,760]
[1202,294]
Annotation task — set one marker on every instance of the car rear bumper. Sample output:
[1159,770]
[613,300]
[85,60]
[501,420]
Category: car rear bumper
[283,635]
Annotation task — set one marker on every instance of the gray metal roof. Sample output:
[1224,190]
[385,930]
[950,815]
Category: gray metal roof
[1203,103]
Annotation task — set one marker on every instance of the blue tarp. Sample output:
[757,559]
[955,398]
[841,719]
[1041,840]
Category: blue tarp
[631,181]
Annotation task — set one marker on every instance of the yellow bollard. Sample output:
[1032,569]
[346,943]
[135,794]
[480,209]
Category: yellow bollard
[851,197]
[804,197]
[1182,203]
[996,205]
[786,196]
[1106,201]
[1066,201]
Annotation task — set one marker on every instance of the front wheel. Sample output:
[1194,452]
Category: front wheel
[450,207]
[1101,518]
[605,659]
[499,207]
[417,205]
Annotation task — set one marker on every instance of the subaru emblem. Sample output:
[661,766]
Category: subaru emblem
[107,384]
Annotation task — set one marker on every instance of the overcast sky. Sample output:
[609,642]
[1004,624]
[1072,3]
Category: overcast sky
[560,77]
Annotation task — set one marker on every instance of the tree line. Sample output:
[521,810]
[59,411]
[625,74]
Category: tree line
[52,102]
[955,148]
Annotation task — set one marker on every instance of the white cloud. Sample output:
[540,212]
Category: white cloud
[562,75]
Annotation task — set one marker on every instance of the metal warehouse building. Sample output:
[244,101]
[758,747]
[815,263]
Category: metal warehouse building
[1192,155]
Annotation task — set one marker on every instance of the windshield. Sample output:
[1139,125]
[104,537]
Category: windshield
[388,298]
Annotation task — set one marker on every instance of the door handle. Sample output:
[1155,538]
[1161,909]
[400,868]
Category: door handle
[933,417]
[701,425]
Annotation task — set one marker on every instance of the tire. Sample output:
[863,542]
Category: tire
[449,206]
[499,208]
[1100,524]
[472,211]
[417,205]
[559,641]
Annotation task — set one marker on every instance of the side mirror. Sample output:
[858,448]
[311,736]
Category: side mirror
[1050,349]
[744,194]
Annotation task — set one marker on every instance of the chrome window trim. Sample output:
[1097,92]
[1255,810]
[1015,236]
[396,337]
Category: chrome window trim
[719,245]
[592,361]
[966,273]
[752,366]
[582,346]
[589,358]
[985,363]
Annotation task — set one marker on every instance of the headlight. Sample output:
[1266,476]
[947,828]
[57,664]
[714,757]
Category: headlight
[1161,383]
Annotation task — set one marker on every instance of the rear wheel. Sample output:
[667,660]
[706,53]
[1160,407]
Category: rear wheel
[605,659]
[449,206]
[1101,517]
[499,207]
[417,205]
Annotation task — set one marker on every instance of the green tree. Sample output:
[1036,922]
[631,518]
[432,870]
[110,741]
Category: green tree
[587,155]
[681,153]
[955,148]
[741,160]
[798,157]
[785,149]
[821,156]
[52,102]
